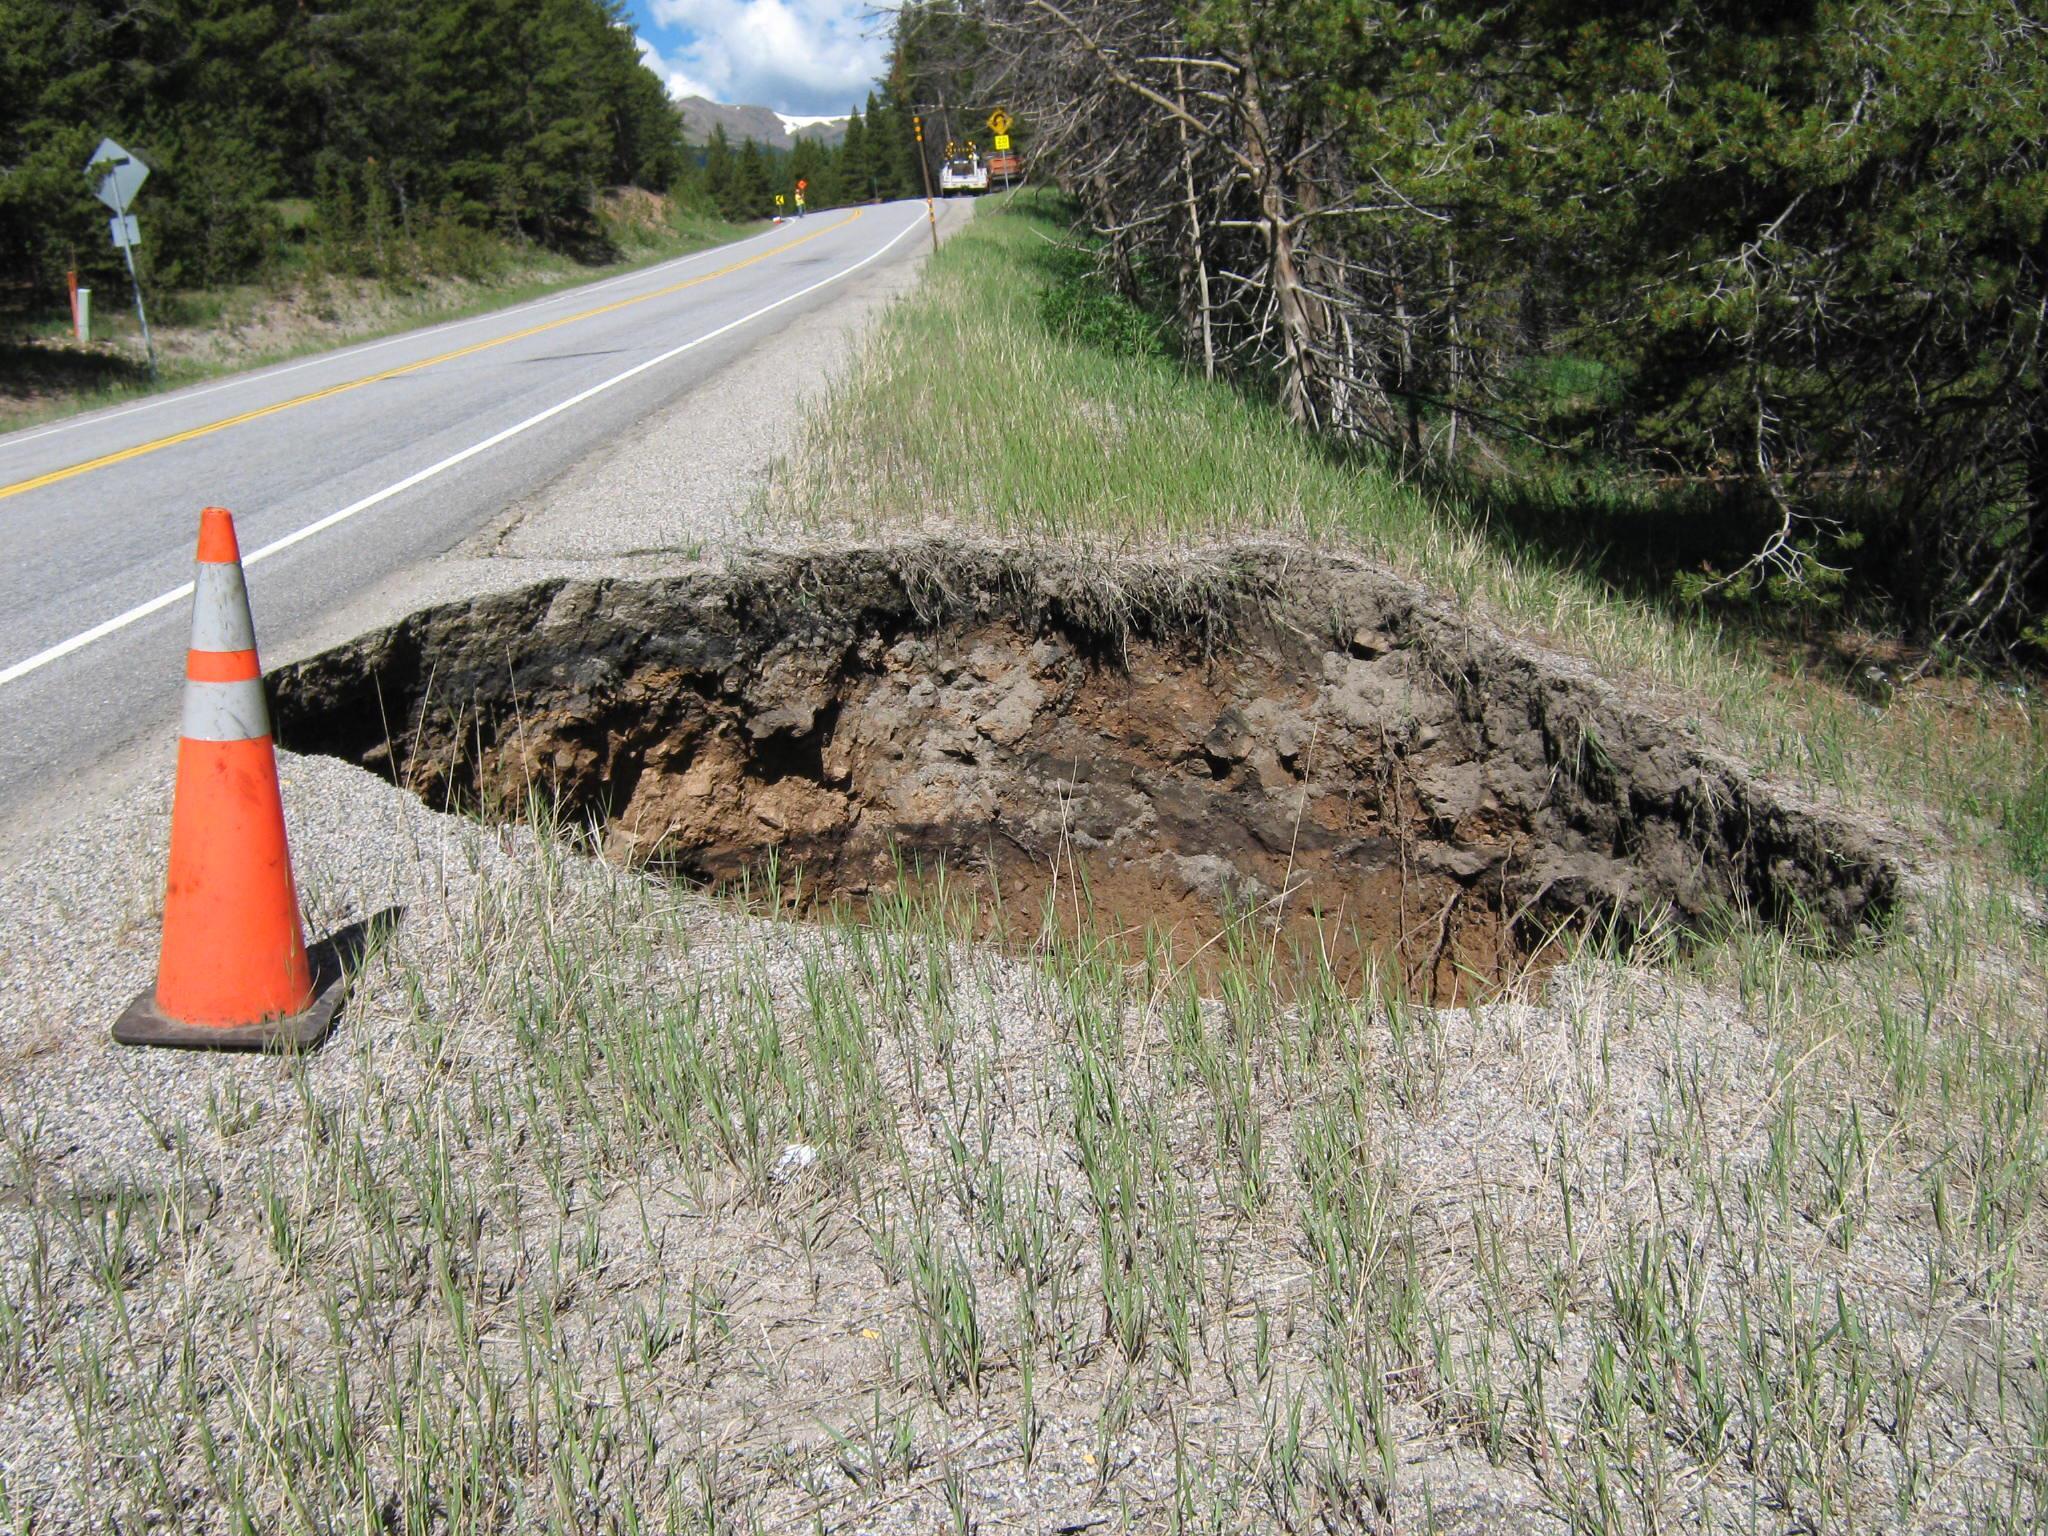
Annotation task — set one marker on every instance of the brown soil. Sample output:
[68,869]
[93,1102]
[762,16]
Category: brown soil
[1269,744]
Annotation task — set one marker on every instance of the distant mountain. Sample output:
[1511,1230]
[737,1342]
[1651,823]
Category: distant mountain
[764,125]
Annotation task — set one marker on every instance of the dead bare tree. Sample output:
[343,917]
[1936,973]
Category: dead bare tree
[1192,168]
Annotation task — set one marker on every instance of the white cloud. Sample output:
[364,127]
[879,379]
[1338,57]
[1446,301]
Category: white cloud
[805,57]
[679,82]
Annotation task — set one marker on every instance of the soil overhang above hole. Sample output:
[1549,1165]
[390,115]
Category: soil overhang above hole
[1295,743]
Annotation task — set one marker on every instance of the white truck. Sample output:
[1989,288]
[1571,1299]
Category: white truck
[963,173]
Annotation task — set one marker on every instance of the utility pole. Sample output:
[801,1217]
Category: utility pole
[930,213]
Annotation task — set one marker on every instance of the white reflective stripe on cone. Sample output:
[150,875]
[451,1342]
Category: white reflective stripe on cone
[220,609]
[225,711]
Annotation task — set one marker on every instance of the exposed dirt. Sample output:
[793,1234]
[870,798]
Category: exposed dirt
[1301,741]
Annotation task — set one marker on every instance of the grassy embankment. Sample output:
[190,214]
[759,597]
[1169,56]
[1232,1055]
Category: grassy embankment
[311,302]
[1742,1236]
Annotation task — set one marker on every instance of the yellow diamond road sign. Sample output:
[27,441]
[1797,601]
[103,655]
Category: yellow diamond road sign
[999,123]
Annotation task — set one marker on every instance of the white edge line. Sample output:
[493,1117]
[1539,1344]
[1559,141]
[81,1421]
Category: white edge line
[120,621]
[278,370]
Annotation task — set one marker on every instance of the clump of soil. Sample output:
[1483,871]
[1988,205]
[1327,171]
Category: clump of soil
[1268,742]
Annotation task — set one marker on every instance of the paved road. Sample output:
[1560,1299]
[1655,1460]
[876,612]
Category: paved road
[344,468]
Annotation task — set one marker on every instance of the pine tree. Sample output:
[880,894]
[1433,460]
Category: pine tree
[476,112]
[892,142]
[886,158]
[719,169]
[61,86]
[647,134]
[752,195]
[855,182]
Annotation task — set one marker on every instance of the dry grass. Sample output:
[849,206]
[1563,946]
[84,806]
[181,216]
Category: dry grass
[530,1245]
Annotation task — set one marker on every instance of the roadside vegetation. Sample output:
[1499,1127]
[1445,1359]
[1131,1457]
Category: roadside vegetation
[362,135]
[1751,294]
[1020,396]
[613,1212]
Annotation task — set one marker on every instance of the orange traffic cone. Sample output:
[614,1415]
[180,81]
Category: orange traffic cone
[233,972]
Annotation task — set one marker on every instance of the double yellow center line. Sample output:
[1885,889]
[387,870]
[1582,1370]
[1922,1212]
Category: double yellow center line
[174,438]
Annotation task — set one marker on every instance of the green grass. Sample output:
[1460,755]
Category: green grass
[2024,817]
[1567,383]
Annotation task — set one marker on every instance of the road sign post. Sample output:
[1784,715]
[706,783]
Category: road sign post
[930,213]
[999,125]
[117,176]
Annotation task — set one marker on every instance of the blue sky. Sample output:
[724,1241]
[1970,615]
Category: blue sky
[803,57]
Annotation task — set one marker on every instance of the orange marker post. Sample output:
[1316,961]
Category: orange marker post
[233,972]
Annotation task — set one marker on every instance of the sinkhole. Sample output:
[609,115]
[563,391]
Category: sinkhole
[1263,742]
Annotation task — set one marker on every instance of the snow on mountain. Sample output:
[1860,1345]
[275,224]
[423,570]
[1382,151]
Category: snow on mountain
[764,125]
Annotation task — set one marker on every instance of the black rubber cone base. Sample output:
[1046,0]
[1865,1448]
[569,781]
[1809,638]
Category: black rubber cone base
[143,1023]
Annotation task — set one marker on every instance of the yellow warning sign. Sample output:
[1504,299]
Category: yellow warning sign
[999,124]
[1002,141]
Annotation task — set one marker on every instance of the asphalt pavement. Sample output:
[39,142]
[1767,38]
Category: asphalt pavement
[347,467]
